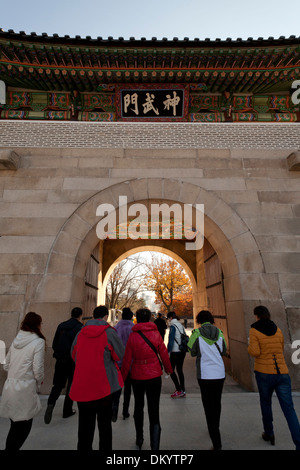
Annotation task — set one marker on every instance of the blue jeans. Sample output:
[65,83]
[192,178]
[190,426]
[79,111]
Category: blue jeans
[281,384]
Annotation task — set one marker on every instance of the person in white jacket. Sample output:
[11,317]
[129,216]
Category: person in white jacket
[176,355]
[25,366]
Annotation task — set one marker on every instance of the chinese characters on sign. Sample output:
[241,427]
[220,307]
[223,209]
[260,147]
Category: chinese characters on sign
[154,103]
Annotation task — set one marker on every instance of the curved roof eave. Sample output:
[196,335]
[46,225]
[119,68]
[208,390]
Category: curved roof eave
[144,42]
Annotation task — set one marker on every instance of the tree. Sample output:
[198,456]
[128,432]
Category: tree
[125,283]
[170,283]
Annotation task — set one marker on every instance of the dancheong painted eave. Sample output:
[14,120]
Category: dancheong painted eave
[225,80]
[33,58]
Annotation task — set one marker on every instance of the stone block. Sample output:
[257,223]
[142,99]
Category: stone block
[240,364]
[214,153]
[218,184]
[244,243]
[219,213]
[282,243]
[78,227]
[272,226]
[289,282]
[60,263]
[159,153]
[157,172]
[239,197]
[9,327]
[139,189]
[13,284]
[27,226]
[25,195]
[281,197]
[236,321]
[188,193]
[259,286]
[259,153]
[282,262]
[12,302]
[26,244]
[291,299]
[171,189]
[20,263]
[90,183]
[32,182]
[67,244]
[97,162]
[250,263]
[264,210]
[233,288]
[233,226]
[155,188]
[55,288]
[11,209]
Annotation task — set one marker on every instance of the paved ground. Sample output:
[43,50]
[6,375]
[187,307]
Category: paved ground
[182,421]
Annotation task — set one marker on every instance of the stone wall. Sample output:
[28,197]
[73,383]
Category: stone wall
[240,172]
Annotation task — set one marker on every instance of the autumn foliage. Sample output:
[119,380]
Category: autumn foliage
[171,285]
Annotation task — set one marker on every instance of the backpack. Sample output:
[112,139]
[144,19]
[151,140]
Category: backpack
[184,340]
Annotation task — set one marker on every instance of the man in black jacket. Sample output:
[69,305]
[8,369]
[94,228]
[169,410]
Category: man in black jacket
[64,367]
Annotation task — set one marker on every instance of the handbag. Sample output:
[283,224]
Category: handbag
[184,340]
[151,346]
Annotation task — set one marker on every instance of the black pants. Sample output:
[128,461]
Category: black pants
[18,433]
[177,360]
[211,392]
[127,395]
[152,389]
[89,412]
[63,375]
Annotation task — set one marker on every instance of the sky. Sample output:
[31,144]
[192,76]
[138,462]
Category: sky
[156,18]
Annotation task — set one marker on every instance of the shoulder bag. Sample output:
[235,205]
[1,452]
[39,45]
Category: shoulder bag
[151,346]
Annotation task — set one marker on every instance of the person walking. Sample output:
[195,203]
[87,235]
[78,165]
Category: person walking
[96,350]
[145,356]
[123,328]
[266,345]
[161,325]
[64,366]
[25,366]
[177,356]
[208,345]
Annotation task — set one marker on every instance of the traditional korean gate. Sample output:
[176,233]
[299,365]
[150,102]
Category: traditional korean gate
[215,292]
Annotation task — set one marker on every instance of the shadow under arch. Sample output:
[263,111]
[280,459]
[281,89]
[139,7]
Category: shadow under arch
[63,279]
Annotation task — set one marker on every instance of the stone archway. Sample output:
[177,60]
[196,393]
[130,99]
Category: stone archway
[242,266]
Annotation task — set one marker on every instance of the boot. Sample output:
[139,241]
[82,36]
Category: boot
[139,430]
[155,431]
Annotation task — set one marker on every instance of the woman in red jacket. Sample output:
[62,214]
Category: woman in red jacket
[145,369]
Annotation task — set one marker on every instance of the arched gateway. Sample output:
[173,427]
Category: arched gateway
[83,122]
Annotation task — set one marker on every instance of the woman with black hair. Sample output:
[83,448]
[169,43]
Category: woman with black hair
[25,365]
[144,353]
[208,345]
[177,356]
[266,345]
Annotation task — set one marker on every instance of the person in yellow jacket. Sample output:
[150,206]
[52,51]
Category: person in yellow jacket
[266,345]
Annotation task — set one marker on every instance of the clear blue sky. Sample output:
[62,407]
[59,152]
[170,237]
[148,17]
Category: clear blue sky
[155,18]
